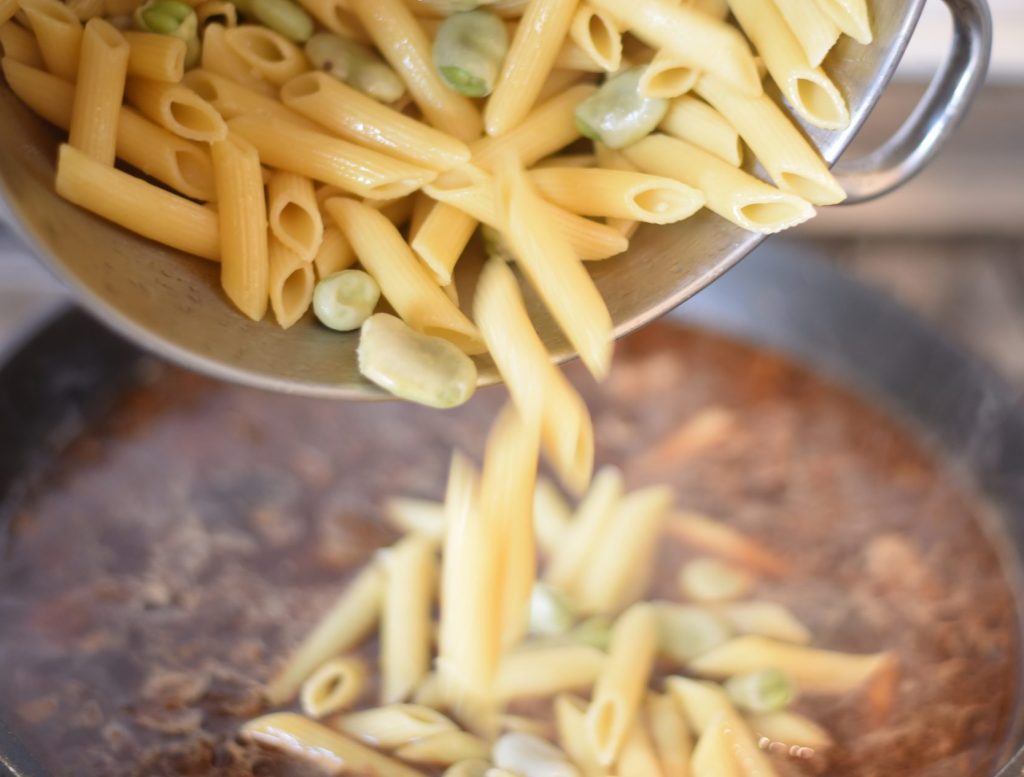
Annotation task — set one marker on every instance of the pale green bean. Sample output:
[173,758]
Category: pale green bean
[550,612]
[344,300]
[468,51]
[356,65]
[282,16]
[767,690]
[172,18]
[685,631]
[420,368]
[617,114]
[595,631]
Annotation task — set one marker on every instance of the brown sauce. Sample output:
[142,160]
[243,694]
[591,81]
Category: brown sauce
[193,536]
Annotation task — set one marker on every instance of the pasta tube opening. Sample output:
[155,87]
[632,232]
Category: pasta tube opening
[819,101]
[177,109]
[272,55]
[667,78]
[195,173]
[662,204]
[596,34]
[810,188]
[772,215]
[196,120]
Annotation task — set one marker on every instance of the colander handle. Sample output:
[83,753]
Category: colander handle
[935,117]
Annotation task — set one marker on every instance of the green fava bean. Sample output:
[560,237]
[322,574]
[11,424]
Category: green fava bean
[282,16]
[344,300]
[617,114]
[356,65]
[172,18]
[468,51]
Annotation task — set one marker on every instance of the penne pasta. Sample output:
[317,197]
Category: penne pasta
[217,57]
[137,205]
[123,7]
[347,623]
[58,33]
[731,193]
[719,9]
[87,9]
[540,392]
[811,26]
[533,671]
[219,11]
[692,37]
[7,10]
[444,749]
[791,161]
[403,281]
[231,99]
[410,572]
[619,569]
[242,210]
[594,514]
[610,159]
[619,689]
[617,194]
[293,214]
[666,77]
[571,721]
[335,686]
[670,734]
[102,71]
[177,109]
[813,670]
[19,45]
[416,516]
[554,269]
[269,54]
[181,164]
[710,536]
[696,122]
[570,62]
[441,238]
[638,757]
[851,16]
[319,156]
[598,37]
[156,57]
[531,57]
[809,91]
[352,115]
[404,44]
[551,514]
[790,729]
[394,725]
[330,749]
[532,756]
[290,282]
[336,16]
[335,253]
[766,619]
[713,755]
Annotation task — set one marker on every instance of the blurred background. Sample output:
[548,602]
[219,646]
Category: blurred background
[950,244]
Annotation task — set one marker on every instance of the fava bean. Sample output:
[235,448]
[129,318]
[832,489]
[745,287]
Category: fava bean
[767,690]
[468,51]
[173,18]
[617,114]
[355,64]
[344,300]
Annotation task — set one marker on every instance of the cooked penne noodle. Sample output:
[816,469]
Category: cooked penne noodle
[322,157]
[290,282]
[535,671]
[421,206]
[397,210]
[403,280]
[561,80]
[352,115]
[156,57]
[808,90]
[531,57]
[540,391]
[696,122]
[7,10]
[593,515]
[710,536]
[713,756]
[666,78]
[733,194]
[219,11]
[330,749]
[410,572]
[811,26]
[444,749]
[609,159]
[87,9]
[231,99]
[58,33]
[619,689]
[766,619]
[570,59]
[347,623]
[686,631]
[123,7]
[619,569]
[242,209]
[217,57]
[137,205]
[791,161]
[179,163]
[617,194]
[670,734]
[571,721]
[638,757]
[813,670]
[177,109]
[441,239]
[851,16]
[598,37]
[554,269]
[551,513]
[395,725]
[532,756]
[790,729]
[102,71]
[404,44]
[693,37]
[416,516]
[19,45]
[335,686]
[431,693]
[719,9]
[336,16]
[335,253]
[268,53]
[293,214]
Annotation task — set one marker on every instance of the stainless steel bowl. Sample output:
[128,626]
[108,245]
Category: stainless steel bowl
[171,303]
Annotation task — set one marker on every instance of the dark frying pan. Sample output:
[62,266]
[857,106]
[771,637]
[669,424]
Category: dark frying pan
[72,367]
